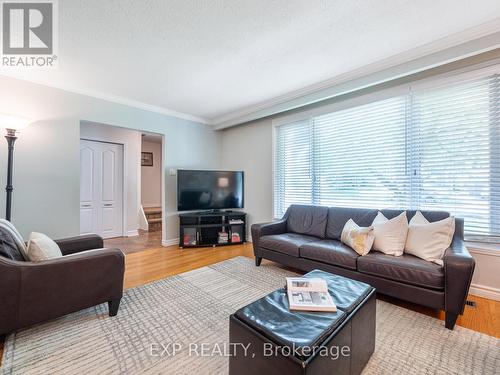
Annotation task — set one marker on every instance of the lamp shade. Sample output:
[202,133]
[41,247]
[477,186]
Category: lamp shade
[13,122]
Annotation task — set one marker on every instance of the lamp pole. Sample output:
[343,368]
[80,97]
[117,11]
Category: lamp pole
[11,138]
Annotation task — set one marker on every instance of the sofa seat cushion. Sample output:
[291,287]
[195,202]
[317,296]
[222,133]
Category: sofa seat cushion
[405,268]
[331,252]
[286,243]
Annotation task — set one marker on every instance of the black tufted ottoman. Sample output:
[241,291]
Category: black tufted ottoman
[267,338]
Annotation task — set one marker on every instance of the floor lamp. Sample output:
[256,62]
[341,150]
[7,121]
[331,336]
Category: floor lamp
[12,125]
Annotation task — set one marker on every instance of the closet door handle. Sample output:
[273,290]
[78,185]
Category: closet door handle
[108,205]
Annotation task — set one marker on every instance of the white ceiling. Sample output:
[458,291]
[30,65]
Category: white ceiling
[210,58]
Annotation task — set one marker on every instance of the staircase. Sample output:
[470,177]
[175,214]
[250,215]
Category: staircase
[153,216]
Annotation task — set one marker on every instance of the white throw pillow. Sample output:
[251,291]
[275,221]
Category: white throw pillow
[41,247]
[16,236]
[360,239]
[390,235]
[429,240]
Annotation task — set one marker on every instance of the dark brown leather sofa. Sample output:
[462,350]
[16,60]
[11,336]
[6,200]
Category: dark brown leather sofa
[35,292]
[308,237]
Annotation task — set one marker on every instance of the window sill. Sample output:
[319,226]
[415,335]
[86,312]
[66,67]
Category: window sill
[492,249]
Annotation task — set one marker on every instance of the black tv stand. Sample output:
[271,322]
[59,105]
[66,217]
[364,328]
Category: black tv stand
[210,212]
[212,228]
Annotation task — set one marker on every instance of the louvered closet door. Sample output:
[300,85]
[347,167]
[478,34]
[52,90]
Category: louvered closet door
[101,188]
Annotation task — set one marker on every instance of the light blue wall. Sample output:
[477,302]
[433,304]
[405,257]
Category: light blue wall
[47,161]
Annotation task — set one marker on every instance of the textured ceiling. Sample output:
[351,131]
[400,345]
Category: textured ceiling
[208,58]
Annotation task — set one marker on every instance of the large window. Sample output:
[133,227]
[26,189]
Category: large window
[429,149]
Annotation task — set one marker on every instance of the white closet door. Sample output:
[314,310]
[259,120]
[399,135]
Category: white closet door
[101,188]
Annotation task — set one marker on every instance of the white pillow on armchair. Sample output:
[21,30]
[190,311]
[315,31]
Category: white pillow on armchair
[41,247]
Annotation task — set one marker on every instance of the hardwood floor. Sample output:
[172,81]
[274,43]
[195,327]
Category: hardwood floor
[158,263]
[129,245]
[146,261]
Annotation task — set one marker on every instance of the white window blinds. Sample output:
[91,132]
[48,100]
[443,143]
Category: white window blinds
[359,156]
[456,154]
[293,179]
[435,149]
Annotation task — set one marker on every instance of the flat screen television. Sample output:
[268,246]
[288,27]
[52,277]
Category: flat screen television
[209,190]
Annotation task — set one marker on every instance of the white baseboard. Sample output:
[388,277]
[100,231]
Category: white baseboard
[170,242]
[132,233]
[485,292]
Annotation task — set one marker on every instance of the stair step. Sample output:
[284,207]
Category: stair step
[156,220]
[152,210]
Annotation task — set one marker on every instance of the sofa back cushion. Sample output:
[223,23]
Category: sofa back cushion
[429,215]
[338,216]
[309,220]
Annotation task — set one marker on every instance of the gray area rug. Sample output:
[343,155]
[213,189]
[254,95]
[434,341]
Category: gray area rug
[192,310]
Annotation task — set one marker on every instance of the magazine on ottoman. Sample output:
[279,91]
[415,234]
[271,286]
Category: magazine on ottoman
[309,294]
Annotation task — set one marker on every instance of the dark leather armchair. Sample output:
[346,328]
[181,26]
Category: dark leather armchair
[33,292]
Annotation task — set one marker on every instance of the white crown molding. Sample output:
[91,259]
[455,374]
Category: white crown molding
[467,43]
[470,42]
[112,98]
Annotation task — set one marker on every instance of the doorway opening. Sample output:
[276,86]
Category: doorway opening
[111,185]
[151,182]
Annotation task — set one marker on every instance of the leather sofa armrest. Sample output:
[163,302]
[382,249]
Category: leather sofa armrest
[266,229]
[458,270]
[63,285]
[77,244]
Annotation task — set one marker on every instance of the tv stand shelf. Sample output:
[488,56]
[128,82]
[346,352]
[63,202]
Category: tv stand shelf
[212,228]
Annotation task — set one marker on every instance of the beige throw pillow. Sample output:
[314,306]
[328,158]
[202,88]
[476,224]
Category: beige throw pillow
[390,235]
[360,239]
[429,240]
[41,247]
